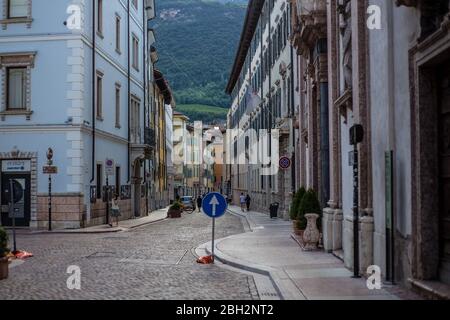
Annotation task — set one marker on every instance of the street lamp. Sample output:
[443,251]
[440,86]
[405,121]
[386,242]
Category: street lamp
[49,163]
[50,169]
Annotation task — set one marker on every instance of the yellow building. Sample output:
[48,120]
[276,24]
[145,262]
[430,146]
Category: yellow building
[162,97]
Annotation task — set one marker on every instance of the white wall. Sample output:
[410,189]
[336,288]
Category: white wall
[390,116]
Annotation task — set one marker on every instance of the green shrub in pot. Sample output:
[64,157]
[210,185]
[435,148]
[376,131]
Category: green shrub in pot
[309,204]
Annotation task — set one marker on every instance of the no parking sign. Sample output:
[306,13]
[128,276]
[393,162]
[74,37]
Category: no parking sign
[285,163]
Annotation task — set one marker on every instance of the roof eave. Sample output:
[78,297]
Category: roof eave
[253,13]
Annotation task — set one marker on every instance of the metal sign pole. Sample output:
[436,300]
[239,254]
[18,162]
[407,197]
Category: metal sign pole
[13,213]
[214,205]
[356,213]
[213,234]
[49,202]
[107,199]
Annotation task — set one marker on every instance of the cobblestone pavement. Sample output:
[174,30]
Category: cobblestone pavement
[150,262]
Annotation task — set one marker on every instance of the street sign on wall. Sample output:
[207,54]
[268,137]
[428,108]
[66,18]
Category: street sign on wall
[109,167]
[50,170]
[16,165]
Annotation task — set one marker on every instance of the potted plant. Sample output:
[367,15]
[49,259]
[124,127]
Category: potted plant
[175,210]
[3,254]
[295,208]
[308,218]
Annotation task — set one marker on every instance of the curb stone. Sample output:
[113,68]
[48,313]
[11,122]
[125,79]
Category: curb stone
[234,263]
[112,230]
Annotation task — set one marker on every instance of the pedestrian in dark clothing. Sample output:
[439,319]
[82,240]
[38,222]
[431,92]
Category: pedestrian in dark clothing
[199,203]
[247,202]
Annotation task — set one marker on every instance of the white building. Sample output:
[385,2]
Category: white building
[263,66]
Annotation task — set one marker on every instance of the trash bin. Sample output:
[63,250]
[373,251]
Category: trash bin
[274,210]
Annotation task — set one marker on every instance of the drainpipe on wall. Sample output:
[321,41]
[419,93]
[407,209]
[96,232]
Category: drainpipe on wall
[93,92]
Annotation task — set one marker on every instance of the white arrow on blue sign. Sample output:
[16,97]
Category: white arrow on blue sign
[214,205]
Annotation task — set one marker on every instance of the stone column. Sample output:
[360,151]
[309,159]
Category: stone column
[338,217]
[361,108]
[334,115]
[322,76]
[332,229]
[327,229]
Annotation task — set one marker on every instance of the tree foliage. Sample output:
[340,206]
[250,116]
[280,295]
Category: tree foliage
[3,243]
[207,114]
[298,196]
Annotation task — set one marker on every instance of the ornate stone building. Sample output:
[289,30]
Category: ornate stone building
[394,82]
[263,72]
[426,58]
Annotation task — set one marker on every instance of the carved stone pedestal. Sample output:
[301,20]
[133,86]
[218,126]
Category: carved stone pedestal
[311,236]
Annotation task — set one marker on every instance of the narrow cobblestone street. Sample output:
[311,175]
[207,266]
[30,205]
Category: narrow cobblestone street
[151,262]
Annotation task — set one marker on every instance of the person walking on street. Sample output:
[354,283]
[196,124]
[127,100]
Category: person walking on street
[199,203]
[115,210]
[247,202]
[242,201]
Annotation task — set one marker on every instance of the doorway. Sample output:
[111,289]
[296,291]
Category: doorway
[21,194]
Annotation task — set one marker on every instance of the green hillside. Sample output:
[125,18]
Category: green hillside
[207,114]
[197,42]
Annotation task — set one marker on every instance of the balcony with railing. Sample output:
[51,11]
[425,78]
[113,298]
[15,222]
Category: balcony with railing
[150,137]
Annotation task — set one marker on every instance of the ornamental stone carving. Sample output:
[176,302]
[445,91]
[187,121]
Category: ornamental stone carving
[311,236]
[311,24]
[345,25]
[432,13]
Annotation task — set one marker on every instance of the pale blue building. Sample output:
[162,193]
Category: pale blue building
[73,78]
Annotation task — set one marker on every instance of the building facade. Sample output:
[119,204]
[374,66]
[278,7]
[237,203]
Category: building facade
[163,101]
[261,87]
[73,84]
[376,65]
[383,66]
[181,136]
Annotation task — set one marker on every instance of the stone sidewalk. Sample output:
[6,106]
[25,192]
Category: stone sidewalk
[124,225]
[267,248]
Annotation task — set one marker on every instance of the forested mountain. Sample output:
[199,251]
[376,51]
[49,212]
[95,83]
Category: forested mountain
[197,42]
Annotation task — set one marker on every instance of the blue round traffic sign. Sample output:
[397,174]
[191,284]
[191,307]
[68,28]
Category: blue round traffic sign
[214,205]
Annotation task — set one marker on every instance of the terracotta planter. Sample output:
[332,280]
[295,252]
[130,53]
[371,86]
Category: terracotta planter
[173,213]
[311,236]
[4,268]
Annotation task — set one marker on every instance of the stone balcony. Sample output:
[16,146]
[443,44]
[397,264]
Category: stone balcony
[311,24]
